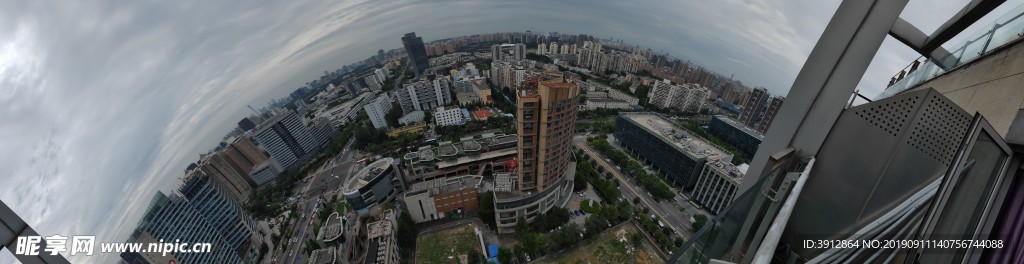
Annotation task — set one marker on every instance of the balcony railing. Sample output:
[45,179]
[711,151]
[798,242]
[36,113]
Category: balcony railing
[1007,29]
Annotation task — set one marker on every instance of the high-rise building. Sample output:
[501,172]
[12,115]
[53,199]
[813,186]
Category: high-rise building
[198,211]
[752,108]
[231,167]
[417,52]
[512,52]
[287,139]
[769,114]
[686,97]
[545,125]
[246,124]
[377,109]
[424,95]
[545,122]
[382,242]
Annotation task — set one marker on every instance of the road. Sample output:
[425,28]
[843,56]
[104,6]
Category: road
[669,214]
[318,190]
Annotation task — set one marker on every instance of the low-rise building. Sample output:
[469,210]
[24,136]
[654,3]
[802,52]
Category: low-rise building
[606,103]
[412,117]
[616,94]
[448,117]
[374,184]
[668,148]
[442,198]
[736,134]
[470,156]
[717,184]
[346,112]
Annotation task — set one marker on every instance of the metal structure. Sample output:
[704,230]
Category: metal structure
[908,166]
[12,227]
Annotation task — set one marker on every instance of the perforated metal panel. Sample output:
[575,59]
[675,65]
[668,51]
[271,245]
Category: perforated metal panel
[890,116]
[939,129]
[876,156]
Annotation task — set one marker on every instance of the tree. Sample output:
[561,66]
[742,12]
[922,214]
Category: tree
[521,227]
[406,232]
[486,205]
[393,115]
[504,255]
[533,243]
[594,225]
[567,236]
[699,221]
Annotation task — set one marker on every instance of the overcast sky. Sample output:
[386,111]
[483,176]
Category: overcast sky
[105,102]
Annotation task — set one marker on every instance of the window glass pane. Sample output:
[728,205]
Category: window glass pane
[968,199]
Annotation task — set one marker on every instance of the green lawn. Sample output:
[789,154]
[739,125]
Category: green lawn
[590,206]
[437,247]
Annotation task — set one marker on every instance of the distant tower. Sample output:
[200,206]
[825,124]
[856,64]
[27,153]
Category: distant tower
[253,110]
[417,52]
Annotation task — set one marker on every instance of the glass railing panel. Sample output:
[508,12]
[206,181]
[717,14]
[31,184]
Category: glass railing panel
[1006,29]
[1011,27]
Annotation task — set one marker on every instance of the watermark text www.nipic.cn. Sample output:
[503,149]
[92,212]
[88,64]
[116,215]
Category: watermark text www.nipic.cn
[56,244]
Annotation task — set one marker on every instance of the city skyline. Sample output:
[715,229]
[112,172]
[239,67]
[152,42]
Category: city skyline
[71,107]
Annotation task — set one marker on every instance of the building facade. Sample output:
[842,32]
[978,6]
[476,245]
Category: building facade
[448,117]
[514,52]
[686,97]
[666,147]
[736,134]
[377,109]
[374,184]
[753,106]
[769,114]
[288,140]
[717,185]
[424,95]
[442,198]
[200,212]
[417,52]
[545,122]
[382,244]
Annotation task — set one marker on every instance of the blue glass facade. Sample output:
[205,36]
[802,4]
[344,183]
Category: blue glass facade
[733,133]
[200,213]
[680,168]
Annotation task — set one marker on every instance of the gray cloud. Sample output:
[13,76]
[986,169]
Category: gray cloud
[106,102]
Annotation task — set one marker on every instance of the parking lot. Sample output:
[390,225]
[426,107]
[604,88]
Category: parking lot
[576,215]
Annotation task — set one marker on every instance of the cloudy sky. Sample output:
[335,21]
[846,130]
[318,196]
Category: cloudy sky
[106,102]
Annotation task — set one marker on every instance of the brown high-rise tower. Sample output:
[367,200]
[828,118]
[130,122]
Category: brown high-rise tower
[545,123]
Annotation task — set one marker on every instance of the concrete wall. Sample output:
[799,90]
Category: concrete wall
[992,86]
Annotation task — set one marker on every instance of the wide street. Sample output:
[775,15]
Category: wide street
[317,191]
[667,211]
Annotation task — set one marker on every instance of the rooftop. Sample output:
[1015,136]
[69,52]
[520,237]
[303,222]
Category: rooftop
[681,139]
[498,140]
[447,184]
[333,229]
[726,168]
[324,255]
[739,126]
[367,174]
